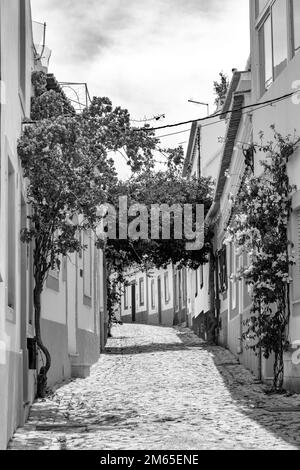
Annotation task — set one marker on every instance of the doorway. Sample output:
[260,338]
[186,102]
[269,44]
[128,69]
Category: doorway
[159,299]
[24,315]
[133,303]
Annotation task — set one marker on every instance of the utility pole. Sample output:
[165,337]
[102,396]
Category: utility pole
[200,102]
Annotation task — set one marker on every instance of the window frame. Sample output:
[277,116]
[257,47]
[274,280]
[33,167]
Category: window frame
[142,292]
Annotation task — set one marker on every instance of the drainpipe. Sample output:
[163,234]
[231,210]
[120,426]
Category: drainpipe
[212,296]
[175,322]
[217,301]
[147,296]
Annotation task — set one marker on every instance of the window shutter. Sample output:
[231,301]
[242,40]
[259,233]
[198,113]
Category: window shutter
[298,243]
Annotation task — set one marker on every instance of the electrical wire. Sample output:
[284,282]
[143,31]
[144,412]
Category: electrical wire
[259,106]
[154,118]
[224,113]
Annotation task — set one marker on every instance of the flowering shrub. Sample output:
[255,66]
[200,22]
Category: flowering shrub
[65,161]
[259,227]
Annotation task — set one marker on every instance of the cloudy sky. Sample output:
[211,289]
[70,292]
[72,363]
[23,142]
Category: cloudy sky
[150,57]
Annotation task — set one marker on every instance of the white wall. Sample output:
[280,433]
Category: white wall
[14,108]
[212,144]
[286,117]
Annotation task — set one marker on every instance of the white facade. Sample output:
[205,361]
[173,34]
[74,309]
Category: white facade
[203,158]
[270,82]
[74,323]
[15,303]
[74,313]
[157,298]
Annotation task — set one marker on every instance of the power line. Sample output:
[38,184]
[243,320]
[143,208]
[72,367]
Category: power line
[224,113]
[173,133]
[258,107]
[154,118]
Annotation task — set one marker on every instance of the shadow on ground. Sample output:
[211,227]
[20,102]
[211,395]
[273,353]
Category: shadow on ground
[277,415]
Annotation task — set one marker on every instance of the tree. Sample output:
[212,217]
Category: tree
[150,187]
[69,173]
[221,89]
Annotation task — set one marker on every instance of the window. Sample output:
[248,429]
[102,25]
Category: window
[233,271]
[296,25]
[241,286]
[52,281]
[273,38]
[126,297]
[177,287]
[153,294]
[11,237]
[54,273]
[184,274]
[196,283]
[141,292]
[166,286]
[201,276]
[22,45]
[266,48]
[87,266]
[280,36]
[260,5]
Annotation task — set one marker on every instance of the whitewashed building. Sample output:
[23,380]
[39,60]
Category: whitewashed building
[275,59]
[156,298]
[17,63]
[202,159]
[74,322]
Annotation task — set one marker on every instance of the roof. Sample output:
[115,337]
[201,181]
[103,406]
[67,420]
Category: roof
[52,83]
[231,134]
[232,88]
[189,153]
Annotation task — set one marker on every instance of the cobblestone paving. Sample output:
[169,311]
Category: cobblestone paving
[162,388]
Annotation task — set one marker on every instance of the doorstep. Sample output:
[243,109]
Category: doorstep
[80,371]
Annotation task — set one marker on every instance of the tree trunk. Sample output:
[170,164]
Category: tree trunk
[42,375]
[278,372]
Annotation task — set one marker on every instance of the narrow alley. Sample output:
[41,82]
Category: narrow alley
[162,388]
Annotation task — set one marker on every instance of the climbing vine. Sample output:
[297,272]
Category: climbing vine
[259,228]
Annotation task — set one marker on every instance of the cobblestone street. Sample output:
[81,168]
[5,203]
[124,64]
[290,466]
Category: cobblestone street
[162,388]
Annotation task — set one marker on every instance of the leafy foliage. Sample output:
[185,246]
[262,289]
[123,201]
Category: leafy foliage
[65,160]
[221,89]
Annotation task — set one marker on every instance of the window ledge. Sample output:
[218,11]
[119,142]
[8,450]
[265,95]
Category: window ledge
[87,301]
[10,315]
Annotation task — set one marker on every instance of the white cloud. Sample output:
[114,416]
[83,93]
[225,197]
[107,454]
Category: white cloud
[149,57]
